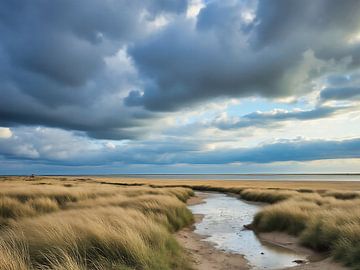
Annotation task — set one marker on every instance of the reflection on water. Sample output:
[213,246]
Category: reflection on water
[224,217]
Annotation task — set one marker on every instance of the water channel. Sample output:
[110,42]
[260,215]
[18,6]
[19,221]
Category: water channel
[224,217]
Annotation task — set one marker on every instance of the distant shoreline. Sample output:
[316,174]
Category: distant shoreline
[220,177]
[161,174]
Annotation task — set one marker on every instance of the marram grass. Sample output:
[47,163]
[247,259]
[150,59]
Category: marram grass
[324,215]
[324,224]
[93,223]
[89,227]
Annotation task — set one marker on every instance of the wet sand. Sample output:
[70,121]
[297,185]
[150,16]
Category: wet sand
[317,260]
[326,264]
[204,255]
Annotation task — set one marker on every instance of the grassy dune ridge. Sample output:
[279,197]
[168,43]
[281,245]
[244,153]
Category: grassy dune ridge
[90,226]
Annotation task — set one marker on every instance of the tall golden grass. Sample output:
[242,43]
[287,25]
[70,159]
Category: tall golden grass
[91,226]
[324,224]
[324,215]
[325,220]
[98,223]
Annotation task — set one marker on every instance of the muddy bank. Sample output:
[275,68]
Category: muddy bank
[317,261]
[203,255]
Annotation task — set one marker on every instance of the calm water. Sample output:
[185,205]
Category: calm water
[224,217]
[289,177]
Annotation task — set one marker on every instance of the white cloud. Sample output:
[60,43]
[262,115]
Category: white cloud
[110,145]
[194,7]
[5,133]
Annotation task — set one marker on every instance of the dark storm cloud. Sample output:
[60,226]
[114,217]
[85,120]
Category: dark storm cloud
[341,93]
[266,119]
[53,67]
[67,40]
[278,54]
[300,150]
[277,22]
[106,120]
[284,151]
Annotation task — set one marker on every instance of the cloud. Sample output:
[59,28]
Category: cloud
[273,118]
[92,82]
[288,151]
[279,52]
[58,147]
[341,93]
[298,150]
[70,47]
[44,144]
[5,133]
[60,62]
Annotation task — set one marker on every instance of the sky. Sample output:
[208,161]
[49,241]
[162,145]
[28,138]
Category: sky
[179,86]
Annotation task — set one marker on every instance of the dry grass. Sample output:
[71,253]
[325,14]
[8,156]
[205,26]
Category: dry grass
[325,215]
[13,254]
[98,223]
[98,238]
[322,223]
[87,225]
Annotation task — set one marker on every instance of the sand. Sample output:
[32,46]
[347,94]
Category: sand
[318,261]
[203,255]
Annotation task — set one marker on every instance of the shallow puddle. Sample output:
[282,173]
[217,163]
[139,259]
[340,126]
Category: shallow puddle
[224,217]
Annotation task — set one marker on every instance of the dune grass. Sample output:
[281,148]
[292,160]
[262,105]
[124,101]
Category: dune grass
[91,226]
[324,220]
[96,223]
[322,223]
[324,215]
[97,238]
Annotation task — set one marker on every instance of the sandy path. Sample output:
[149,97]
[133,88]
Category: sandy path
[203,255]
